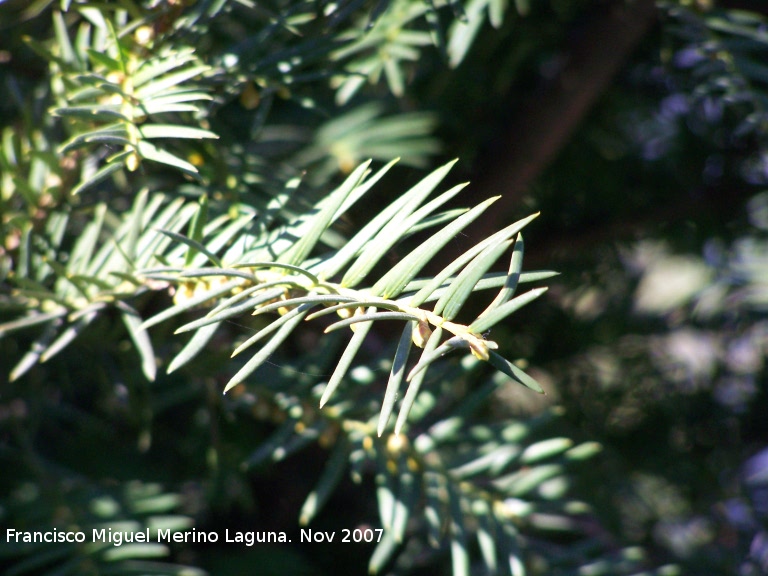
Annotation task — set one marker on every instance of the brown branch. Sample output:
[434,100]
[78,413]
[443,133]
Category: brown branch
[546,122]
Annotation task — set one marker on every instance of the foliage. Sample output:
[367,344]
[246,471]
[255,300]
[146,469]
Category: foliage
[724,80]
[133,103]
[231,170]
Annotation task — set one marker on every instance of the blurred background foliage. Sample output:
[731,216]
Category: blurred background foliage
[637,128]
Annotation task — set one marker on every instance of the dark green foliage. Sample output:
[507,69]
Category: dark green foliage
[219,263]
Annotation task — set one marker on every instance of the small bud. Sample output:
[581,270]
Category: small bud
[396,443]
[479,350]
[421,333]
[144,35]
[116,77]
[132,162]
[250,97]
[184,292]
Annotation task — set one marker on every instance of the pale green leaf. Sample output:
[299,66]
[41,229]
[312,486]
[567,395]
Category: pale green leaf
[227,303]
[459,552]
[486,542]
[451,302]
[327,483]
[383,224]
[496,9]
[314,299]
[151,244]
[38,348]
[396,376]
[405,500]
[140,337]
[354,303]
[369,317]
[394,281]
[106,139]
[435,220]
[545,449]
[271,327]
[157,86]
[209,272]
[162,106]
[583,451]
[230,237]
[528,478]
[190,303]
[280,265]
[193,244]
[343,364]
[105,60]
[496,315]
[510,544]
[385,491]
[100,175]
[394,75]
[446,347]
[296,316]
[434,505]
[70,333]
[299,252]
[382,553]
[195,345]
[415,384]
[63,43]
[196,227]
[175,97]
[363,188]
[230,311]
[151,68]
[151,152]
[513,277]
[426,287]
[462,33]
[33,319]
[93,112]
[508,368]
[492,280]
[174,131]
[113,133]
[132,551]
[496,458]
[391,234]
[134,225]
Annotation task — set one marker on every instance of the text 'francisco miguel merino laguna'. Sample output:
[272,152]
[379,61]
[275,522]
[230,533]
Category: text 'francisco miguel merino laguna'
[117,538]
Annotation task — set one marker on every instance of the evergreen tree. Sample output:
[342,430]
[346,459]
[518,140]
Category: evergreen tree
[213,215]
